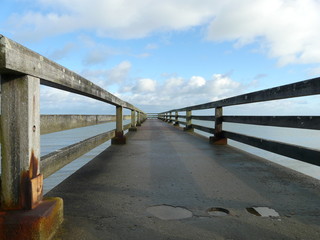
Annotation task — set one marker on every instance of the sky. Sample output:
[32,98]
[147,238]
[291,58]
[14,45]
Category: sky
[161,55]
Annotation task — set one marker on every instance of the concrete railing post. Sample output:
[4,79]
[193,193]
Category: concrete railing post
[119,136]
[218,137]
[133,121]
[138,119]
[188,121]
[21,179]
[170,117]
[176,123]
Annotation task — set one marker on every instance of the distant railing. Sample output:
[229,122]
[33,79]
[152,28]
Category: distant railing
[299,89]
[152,115]
[21,73]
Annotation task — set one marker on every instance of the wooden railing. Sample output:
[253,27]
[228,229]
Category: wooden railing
[152,115]
[299,89]
[22,71]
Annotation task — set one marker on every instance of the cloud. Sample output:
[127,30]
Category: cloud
[59,54]
[151,46]
[119,73]
[97,53]
[282,28]
[113,18]
[105,77]
[180,92]
[145,85]
[55,101]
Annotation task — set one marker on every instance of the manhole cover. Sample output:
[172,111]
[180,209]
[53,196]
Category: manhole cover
[263,212]
[166,212]
[218,212]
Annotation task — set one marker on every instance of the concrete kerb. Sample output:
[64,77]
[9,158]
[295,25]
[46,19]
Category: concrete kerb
[119,139]
[133,129]
[41,223]
[218,141]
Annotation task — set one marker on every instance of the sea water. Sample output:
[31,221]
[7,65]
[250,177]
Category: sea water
[307,138]
[54,141]
[300,137]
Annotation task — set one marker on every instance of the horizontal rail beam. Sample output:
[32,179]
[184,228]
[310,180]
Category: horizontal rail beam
[182,122]
[202,128]
[127,126]
[54,161]
[305,122]
[56,123]
[298,89]
[204,118]
[289,150]
[17,59]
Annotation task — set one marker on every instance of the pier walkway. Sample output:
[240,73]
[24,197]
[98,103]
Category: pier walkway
[161,184]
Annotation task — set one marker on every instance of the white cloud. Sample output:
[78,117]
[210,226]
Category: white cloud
[285,29]
[145,85]
[222,85]
[105,77]
[179,92]
[120,72]
[113,18]
[196,81]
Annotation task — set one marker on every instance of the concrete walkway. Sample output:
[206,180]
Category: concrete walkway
[133,191]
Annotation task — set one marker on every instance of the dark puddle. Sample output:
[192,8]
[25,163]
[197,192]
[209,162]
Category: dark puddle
[167,212]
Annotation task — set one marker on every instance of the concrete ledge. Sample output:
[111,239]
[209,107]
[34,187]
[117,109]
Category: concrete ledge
[52,162]
[218,141]
[56,123]
[133,129]
[188,129]
[40,223]
[119,139]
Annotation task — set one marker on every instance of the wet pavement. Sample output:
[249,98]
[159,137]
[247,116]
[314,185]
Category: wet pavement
[169,184]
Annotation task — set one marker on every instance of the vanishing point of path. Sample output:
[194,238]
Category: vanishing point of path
[161,184]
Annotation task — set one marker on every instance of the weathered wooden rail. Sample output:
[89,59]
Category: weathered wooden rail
[21,72]
[299,89]
[152,115]
[54,161]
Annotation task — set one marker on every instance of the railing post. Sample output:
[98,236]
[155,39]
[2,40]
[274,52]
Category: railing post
[176,123]
[218,137]
[138,119]
[119,136]
[189,121]
[169,117]
[133,127]
[21,179]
